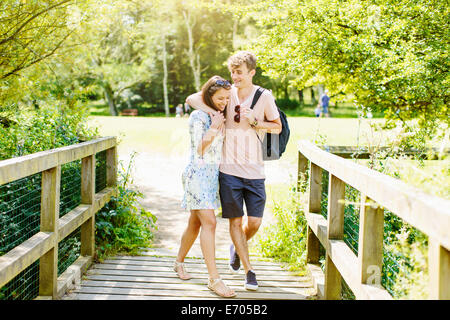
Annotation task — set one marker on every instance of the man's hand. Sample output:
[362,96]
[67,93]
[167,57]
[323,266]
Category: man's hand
[247,113]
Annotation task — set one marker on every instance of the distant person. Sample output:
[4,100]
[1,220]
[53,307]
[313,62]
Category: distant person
[179,111]
[318,110]
[325,102]
[201,181]
[187,109]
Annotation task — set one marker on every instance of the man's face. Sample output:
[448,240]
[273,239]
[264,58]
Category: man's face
[241,76]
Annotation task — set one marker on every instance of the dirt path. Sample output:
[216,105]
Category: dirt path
[158,177]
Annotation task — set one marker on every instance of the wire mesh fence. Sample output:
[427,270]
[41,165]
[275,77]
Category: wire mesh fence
[393,262]
[20,206]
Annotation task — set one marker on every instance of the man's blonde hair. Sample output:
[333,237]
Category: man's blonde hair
[241,57]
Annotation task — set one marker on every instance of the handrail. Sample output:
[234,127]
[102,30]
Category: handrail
[53,229]
[427,213]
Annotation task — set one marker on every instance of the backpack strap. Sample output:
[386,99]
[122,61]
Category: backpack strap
[258,94]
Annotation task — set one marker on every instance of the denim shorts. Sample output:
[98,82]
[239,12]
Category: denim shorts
[235,190]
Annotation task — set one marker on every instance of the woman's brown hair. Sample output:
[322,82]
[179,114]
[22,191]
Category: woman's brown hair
[211,87]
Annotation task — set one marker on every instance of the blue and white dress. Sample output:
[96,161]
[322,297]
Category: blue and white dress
[200,178]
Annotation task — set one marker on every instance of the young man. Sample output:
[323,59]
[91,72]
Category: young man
[241,176]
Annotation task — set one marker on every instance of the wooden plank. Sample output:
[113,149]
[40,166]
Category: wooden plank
[187,286]
[95,296]
[197,268]
[303,282]
[111,167]
[79,215]
[318,279]
[333,279]
[301,169]
[315,188]
[405,201]
[335,227]
[370,244]
[193,264]
[147,257]
[48,264]
[362,152]
[72,275]
[22,256]
[439,270]
[20,167]
[142,273]
[87,197]
[335,216]
[319,226]
[314,205]
[347,264]
[73,219]
[192,293]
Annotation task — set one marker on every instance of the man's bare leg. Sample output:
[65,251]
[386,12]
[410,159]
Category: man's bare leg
[240,242]
[251,226]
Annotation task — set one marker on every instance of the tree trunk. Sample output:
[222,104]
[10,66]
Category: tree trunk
[109,95]
[313,98]
[164,54]
[286,92]
[194,58]
[300,97]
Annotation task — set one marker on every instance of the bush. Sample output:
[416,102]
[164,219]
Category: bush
[285,240]
[123,225]
[287,104]
[44,129]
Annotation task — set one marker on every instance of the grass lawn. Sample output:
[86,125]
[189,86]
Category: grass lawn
[171,135]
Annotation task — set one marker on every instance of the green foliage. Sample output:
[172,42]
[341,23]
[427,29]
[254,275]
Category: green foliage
[43,129]
[389,55]
[412,280]
[123,225]
[288,104]
[285,240]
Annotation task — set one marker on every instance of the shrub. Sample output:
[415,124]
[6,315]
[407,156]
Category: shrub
[44,129]
[285,240]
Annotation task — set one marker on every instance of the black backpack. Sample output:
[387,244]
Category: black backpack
[273,145]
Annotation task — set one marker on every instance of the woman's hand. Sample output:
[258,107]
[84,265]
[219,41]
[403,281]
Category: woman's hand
[217,120]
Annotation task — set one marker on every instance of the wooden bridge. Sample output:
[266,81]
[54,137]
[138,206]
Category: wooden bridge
[150,275]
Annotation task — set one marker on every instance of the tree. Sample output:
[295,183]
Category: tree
[115,47]
[389,55]
[31,32]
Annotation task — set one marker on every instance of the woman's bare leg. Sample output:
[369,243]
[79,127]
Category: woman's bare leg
[189,236]
[208,240]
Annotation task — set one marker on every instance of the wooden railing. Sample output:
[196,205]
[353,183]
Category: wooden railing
[362,272]
[53,229]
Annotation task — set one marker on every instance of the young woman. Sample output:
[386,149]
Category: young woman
[201,181]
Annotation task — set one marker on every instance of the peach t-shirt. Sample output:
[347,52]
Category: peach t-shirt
[242,151]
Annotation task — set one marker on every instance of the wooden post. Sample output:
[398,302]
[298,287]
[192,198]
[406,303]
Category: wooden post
[314,206]
[302,168]
[438,270]
[111,167]
[336,194]
[87,197]
[48,265]
[315,188]
[370,245]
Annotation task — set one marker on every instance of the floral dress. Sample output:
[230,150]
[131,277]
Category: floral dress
[200,178]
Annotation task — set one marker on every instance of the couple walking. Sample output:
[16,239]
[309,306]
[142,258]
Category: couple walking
[226,168]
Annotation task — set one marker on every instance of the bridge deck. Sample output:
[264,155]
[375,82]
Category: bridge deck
[150,277]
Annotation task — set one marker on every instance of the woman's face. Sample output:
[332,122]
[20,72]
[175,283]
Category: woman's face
[220,98]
